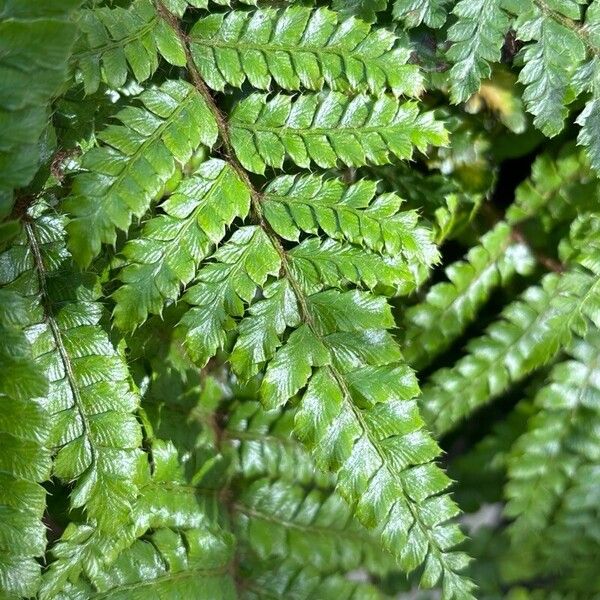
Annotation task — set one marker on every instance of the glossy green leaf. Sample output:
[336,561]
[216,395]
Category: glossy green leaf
[223,288]
[120,178]
[171,245]
[90,399]
[327,129]
[449,307]
[297,48]
[35,45]
[116,41]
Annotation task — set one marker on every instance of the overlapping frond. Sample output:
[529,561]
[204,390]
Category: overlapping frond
[553,466]
[305,526]
[298,582]
[263,445]
[116,41]
[529,334]
[449,307]
[90,399]
[559,59]
[167,565]
[337,350]
[172,244]
[122,177]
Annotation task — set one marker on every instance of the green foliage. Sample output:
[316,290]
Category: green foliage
[559,454]
[90,400]
[298,48]
[328,128]
[477,36]
[171,245]
[450,307]
[235,238]
[116,40]
[559,58]
[35,46]
[120,178]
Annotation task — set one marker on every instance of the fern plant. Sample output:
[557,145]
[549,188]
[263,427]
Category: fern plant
[266,275]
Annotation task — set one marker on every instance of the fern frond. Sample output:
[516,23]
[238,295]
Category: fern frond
[477,37]
[167,565]
[510,349]
[224,287]
[558,190]
[90,398]
[449,307]
[548,70]
[556,454]
[356,214]
[165,501]
[35,44]
[171,245]
[341,414]
[328,128]
[123,176]
[305,526]
[262,445]
[414,12]
[298,47]
[334,264]
[530,333]
[25,459]
[115,41]
[297,582]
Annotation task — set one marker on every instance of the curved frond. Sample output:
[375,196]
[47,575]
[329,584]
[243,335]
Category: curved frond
[356,214]
[124,175]
[556,456]
[530,333]
[90,397]
[548,69]
[449,307]
[171,245]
